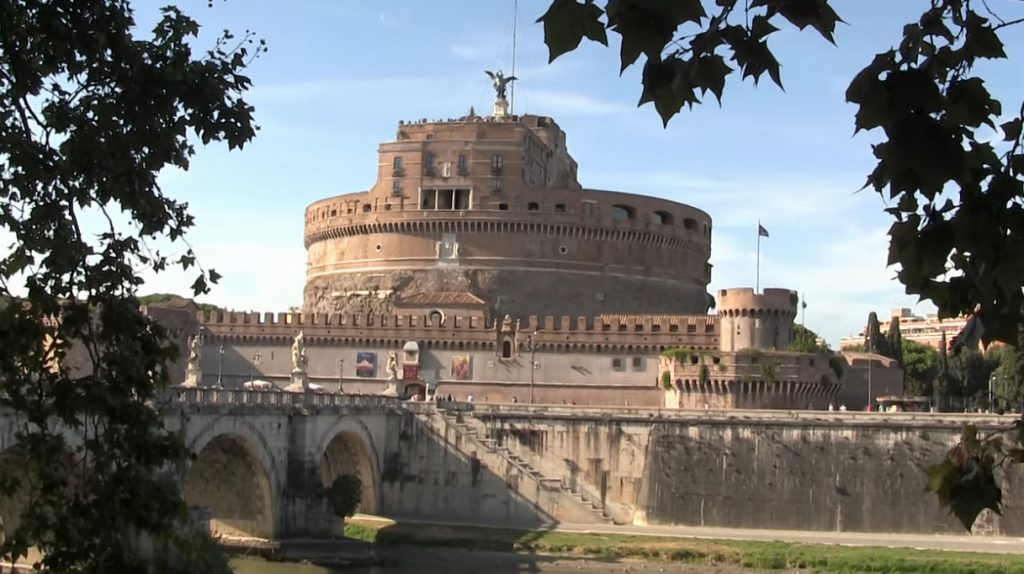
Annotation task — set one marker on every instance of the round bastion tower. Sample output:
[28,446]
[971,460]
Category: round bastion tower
[748,320]
[485,215]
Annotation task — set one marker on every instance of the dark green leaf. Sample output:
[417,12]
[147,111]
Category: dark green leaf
[1011,129]
[567,22]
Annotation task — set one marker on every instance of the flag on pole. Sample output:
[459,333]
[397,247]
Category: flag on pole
[761,231]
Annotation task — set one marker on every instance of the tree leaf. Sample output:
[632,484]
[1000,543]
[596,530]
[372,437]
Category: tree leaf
[1011,129]
[567,22]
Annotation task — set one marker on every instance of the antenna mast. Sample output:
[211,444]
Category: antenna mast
[512,88]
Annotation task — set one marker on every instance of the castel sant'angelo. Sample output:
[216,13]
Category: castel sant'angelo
[478,265]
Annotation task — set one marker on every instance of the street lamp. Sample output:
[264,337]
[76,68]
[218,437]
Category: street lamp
[252,366]
[341,375]
[220,366]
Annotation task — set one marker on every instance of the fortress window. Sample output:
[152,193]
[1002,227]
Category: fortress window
[663,218]
[691,328]
[690,224]
[506,349]
[638,363]
[396,187]
[655,328]
[496,185]
[367,208]
[428,198]
[673,328]
[334,213]
[563,249]
[502,207]
[461,199]
[559,208]
[497,162]
[618,364]
[397,168]
[463,165]
[588,207]
[622,327]
[445,198]
[533,206]
[622,212]
[428,163]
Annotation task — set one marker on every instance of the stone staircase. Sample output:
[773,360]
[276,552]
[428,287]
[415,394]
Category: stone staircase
[549,494]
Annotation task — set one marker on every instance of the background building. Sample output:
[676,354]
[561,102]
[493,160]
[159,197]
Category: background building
[926,329]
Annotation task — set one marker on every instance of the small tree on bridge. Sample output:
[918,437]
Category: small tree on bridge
[344,495]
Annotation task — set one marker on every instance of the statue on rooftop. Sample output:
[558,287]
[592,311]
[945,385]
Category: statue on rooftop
[500,82]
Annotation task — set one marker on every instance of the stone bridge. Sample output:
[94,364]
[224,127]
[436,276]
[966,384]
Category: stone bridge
[261,461]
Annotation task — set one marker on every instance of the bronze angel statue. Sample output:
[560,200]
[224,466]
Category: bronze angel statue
[500,82]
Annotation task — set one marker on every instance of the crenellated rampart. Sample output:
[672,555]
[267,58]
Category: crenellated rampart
[597,334]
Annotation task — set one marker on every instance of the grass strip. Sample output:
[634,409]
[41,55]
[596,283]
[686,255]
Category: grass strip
[749,554]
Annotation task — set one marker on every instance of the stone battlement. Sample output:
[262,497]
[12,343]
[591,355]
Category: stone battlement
[693,324]
[745,300]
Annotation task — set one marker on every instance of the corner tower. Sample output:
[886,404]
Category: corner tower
[748,320]
[489,210]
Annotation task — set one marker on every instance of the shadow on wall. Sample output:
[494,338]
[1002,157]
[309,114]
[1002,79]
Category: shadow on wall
[438,472]
[227,479]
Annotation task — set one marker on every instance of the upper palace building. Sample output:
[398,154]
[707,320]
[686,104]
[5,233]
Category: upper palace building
[486,215]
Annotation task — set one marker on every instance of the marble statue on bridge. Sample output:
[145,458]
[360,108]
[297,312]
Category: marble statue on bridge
[299,379]
[193,372]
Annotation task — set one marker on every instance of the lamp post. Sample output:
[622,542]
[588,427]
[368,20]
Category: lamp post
[992,393]
[341,375]
[220,366]
[252,366]
[533,363]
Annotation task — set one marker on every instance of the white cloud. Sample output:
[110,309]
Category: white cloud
[554,103]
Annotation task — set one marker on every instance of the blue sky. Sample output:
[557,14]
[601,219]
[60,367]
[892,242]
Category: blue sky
[340,74]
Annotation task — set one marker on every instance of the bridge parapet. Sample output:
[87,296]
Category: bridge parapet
[212,396]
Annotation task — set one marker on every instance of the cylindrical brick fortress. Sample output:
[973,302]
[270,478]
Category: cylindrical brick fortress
[491,210]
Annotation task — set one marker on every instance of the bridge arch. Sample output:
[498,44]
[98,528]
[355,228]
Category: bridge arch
[232,474]
[348,448]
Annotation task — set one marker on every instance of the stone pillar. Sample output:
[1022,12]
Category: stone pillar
[300,381]
[193,376]
[500,108]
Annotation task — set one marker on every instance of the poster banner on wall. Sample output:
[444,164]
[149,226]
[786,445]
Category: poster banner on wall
[366,364]
[461,368]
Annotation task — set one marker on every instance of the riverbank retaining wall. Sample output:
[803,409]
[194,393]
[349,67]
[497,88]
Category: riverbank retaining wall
[753,469]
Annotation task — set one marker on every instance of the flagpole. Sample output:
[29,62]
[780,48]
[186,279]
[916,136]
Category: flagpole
[757,281]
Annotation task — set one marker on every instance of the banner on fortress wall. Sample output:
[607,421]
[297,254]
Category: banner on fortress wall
[366,364]
[461,370]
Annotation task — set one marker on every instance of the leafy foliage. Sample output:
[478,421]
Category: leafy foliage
[90,112]
[806,341]
[874,340]
[965,481]
[894,341]
[970,371]
[679,355]
[156,298]
[955,196]
[344,495]
[666,380]
[920,368]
